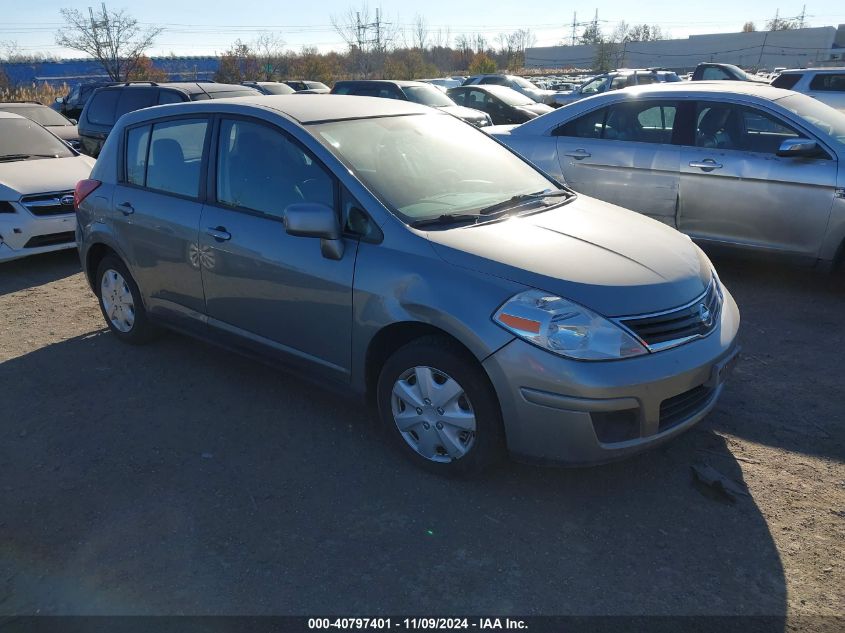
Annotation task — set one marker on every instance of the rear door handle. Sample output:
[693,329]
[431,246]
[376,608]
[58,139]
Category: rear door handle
[578,154]
[219,233]
[126,208]
[708,164]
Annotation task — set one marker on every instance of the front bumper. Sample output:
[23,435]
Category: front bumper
[558,410]
[22,234]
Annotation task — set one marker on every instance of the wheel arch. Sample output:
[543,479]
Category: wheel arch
[396,335]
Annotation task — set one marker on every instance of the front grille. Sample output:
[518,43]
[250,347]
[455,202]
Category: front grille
[678,408]
[60,203]
[53,239]
[663,330]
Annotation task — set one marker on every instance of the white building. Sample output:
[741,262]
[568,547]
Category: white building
[798,48]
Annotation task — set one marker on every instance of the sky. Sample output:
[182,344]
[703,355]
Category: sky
[202,27]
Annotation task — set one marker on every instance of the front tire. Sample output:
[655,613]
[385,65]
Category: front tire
[439,408]
[121,303]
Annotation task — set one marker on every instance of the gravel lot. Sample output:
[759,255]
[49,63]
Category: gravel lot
[180,478]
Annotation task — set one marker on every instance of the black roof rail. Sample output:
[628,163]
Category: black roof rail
[132,83]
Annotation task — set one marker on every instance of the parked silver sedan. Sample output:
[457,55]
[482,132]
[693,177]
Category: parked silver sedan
[729,163]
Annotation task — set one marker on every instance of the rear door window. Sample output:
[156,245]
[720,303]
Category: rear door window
[590,125]
[167,157]
[828,82]
[102,107]
[641,122]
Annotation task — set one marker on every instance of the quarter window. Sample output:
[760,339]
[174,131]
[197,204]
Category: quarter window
[137,142]
[260,169]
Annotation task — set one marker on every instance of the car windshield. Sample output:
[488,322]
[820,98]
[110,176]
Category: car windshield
[316,85]
[427,166]
[427,95]
[819,115]
[21,139]
[277,89]
[524,83]
[593,86]
[38,113]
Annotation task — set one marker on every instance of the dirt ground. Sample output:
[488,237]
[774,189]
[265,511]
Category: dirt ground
[179,478]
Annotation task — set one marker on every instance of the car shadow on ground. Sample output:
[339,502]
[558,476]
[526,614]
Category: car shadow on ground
[786,391]
[37,270]
[179,478]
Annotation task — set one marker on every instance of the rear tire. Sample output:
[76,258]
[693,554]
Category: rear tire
[448,410]
[121,303]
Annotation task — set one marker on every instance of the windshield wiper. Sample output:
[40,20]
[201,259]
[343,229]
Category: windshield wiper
[446,218]
[23,156]
[526,197]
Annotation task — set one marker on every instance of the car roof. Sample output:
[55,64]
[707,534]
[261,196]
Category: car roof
[489,88]
[191,87]
[303,108]
[402,83]
[21,104]
[813,70]
[11,115]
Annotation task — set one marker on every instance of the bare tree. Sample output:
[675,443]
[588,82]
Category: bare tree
[270,52]
[420,32]
[112,37]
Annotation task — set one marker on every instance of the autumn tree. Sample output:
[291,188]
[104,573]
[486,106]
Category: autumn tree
[145,71]
[482,64]
[748,27]
[238,64]
[112,37]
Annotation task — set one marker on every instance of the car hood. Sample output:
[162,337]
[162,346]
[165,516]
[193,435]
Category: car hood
[464,113]
[614,261]
[65,132]
[25,177]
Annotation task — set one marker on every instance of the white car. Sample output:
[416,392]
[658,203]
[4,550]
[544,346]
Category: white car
[38,173]
[825,84]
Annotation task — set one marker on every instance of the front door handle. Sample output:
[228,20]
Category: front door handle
[126,208]
[219,233]
[708,164]
[579,154]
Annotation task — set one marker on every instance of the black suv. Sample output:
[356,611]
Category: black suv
[71,105]
[108,104]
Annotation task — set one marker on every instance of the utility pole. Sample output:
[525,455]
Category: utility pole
[574,25]
[802,16]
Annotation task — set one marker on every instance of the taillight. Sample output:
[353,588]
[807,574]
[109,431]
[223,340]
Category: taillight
[83,189]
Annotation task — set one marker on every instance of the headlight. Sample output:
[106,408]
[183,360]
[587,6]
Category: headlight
[565,328]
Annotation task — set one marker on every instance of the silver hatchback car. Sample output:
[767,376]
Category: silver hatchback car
[405,256]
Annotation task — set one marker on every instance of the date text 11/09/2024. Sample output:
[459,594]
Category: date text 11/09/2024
[431,624]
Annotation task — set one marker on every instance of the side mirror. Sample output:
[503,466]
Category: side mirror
[60,99]
[309,219]
[799,148]
[73,121]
